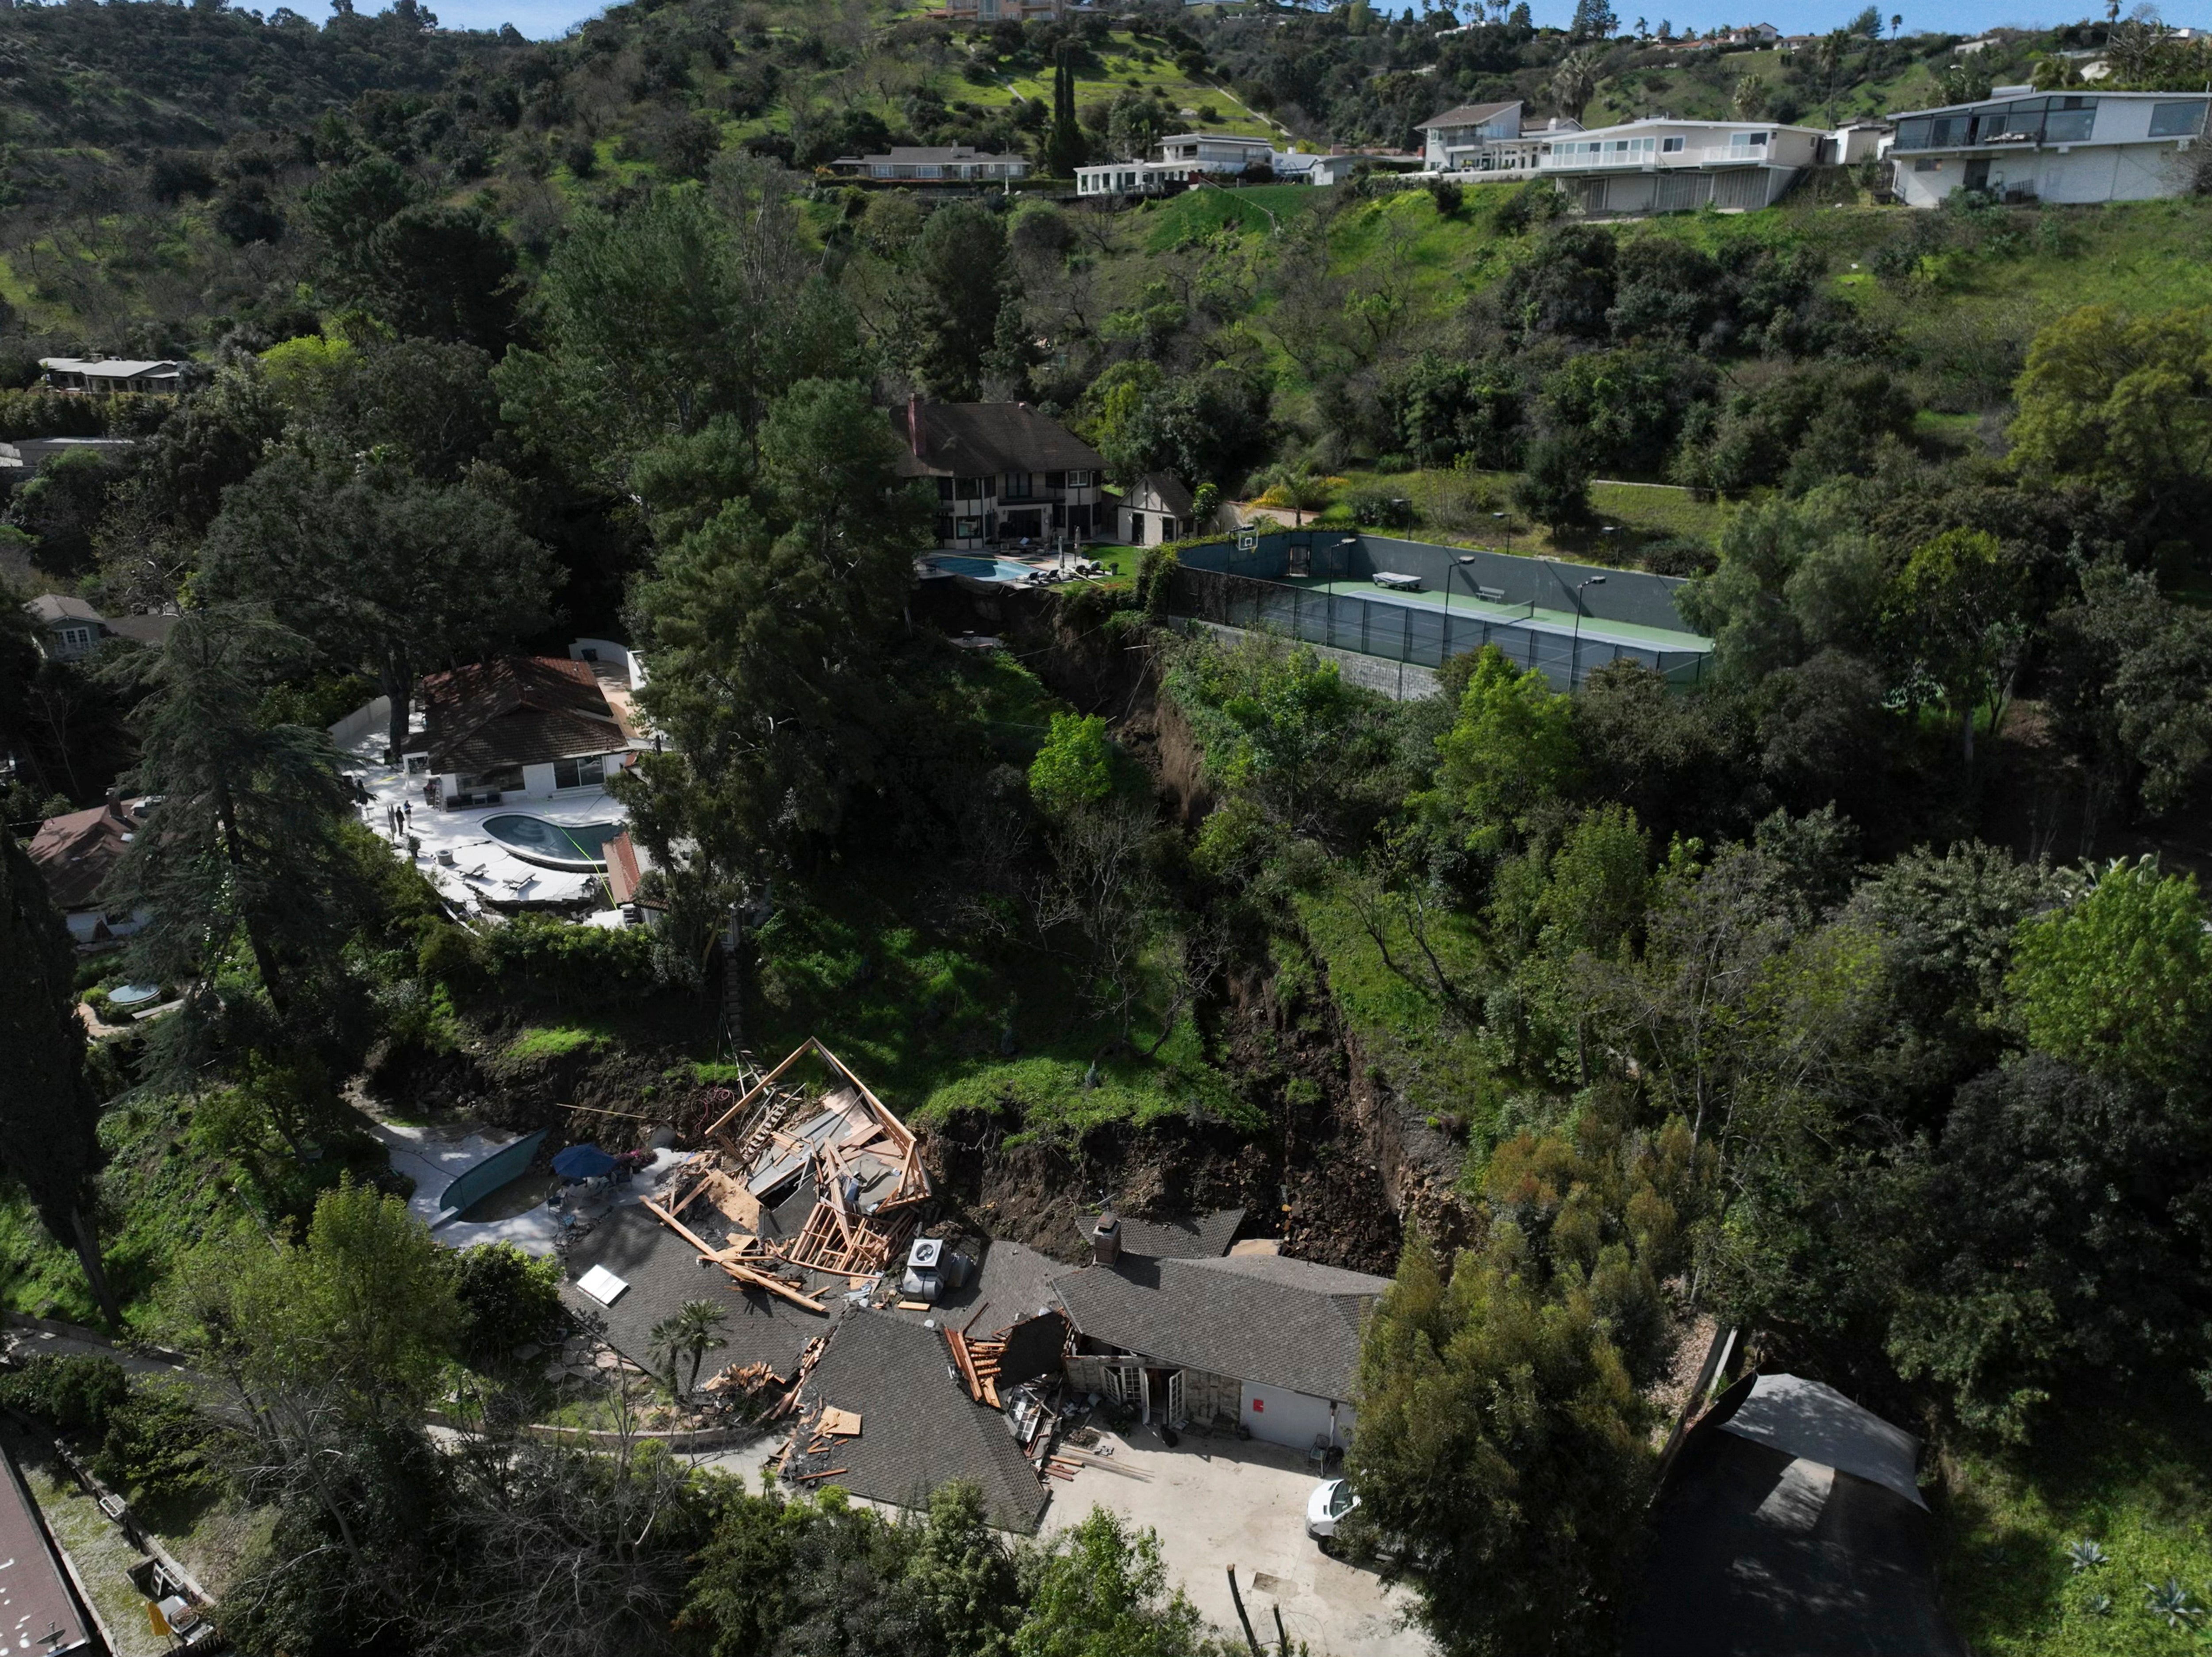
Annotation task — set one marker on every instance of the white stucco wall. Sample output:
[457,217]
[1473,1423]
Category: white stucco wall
[2086,173]
[1282,1417]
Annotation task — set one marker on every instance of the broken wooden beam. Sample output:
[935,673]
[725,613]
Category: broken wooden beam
[827,1472]
[742,1274]
[959,1346]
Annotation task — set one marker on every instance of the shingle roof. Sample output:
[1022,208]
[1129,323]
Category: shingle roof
[919,1429]
[663,1272]
[154,630]
[76,851]
[1183,1237]
[978,440]
[54,608]
[1467,115]
[1011,1282]
[1251,1317]
[1175,499]
[520,710]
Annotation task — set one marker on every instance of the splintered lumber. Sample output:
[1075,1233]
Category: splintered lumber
[959,1344]
[1059,1472]
[845,1423]
[991,1392]
[1083,1460]
[827,1472]
[914,1306]
[742,1274]
[978,1318]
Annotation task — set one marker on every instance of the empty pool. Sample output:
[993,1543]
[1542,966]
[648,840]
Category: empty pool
[553,845]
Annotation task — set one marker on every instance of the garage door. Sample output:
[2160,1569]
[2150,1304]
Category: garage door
[1283,1416]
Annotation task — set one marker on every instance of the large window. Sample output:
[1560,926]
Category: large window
[967,529]
[2069,126]
[2177,120]
[503,778]
[1017,486]
[1741,142]
[968,488]
[1078,480]
[1671,146]
[587,772]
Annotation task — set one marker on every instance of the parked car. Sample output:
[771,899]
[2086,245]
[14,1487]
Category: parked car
[1326,1508]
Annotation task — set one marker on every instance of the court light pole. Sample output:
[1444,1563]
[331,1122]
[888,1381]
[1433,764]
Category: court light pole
[1460,560]
[1506,525]
[1575,661]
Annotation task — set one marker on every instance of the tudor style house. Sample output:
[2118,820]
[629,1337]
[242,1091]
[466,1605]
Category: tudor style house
[1664,166]
[2022,145]
[1156,509]
[1002,471]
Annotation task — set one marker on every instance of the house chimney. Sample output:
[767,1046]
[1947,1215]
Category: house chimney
[913,422]
[115,804]
[1106,1241]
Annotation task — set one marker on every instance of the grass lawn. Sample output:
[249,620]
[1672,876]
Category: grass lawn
[2133,1475]
[1456,508]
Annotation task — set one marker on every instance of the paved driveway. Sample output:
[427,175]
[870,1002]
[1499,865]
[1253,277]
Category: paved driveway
[1218,1502]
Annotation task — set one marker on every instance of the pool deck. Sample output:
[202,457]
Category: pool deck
[1536,619]
[483,871]
[434,1157]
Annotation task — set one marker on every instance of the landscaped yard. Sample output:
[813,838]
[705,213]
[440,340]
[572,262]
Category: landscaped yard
[2135,1480]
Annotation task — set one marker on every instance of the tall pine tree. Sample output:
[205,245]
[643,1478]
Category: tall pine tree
[49,1117]
[1065,148]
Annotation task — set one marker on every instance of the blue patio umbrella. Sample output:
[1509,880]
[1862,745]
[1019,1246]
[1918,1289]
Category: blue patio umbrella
[582,1162]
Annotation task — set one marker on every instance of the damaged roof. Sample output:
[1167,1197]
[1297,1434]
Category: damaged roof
[663,1272]
[1251,1317]
[919,1429]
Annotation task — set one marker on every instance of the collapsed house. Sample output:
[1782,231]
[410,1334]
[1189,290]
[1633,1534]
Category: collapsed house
[902,1362]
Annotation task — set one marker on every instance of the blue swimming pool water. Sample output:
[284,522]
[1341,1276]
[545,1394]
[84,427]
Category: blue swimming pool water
[558,845]
[983,568]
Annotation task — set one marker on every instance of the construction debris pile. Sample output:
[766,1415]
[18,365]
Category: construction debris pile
[835,1156]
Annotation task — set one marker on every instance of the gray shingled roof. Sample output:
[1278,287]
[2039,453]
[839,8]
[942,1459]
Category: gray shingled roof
[919,1429]
[1251,1317]
[1182,1236]
[1465,115]
[663,1272]
[981,439]
[1013,1282]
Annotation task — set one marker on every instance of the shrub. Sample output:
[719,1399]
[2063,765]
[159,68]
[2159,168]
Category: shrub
[508,1299]
[1380,511]
[156,1444]
[1535,203]
[1155,577]
[1446,196]
[577,960]
[1555,489]
[76,1393]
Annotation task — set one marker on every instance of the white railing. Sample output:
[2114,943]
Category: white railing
[1709,156]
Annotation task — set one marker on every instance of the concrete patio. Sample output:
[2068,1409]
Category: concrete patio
[434,1158]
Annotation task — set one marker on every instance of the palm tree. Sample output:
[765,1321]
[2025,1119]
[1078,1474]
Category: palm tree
[1574,83]
[693,1332]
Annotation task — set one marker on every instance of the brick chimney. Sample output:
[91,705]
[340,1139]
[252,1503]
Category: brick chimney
[1106,1241]
[913,422]
[115,805]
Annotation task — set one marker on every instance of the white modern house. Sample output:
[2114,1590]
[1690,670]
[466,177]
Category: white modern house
[933,164]
[1182,157]
[2021,145]
[1659,165]
[1487,138]
[105,376]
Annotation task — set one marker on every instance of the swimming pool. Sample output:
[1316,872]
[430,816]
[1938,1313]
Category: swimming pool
[553,845]
[982,567]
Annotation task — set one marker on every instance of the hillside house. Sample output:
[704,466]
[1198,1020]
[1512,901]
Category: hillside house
[106,376]
[1182,157]
[1664,165]
[1155,509]
[1486,138]
[1258,1340]
[77,851]
[70,630]
[1002,471]
[2021,145]
[933,164]
[528,728]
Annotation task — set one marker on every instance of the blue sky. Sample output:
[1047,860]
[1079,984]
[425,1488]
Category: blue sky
[546,19]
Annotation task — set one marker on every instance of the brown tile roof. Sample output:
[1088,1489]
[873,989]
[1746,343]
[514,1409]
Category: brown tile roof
[980,439]
[519,710]
[622,871]
[76,850]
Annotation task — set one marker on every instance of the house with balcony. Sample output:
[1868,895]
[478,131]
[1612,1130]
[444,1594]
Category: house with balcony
[1182,157]
[1660,165]
[933,164]
[1486,138]
[2020,144]
[1002,471]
